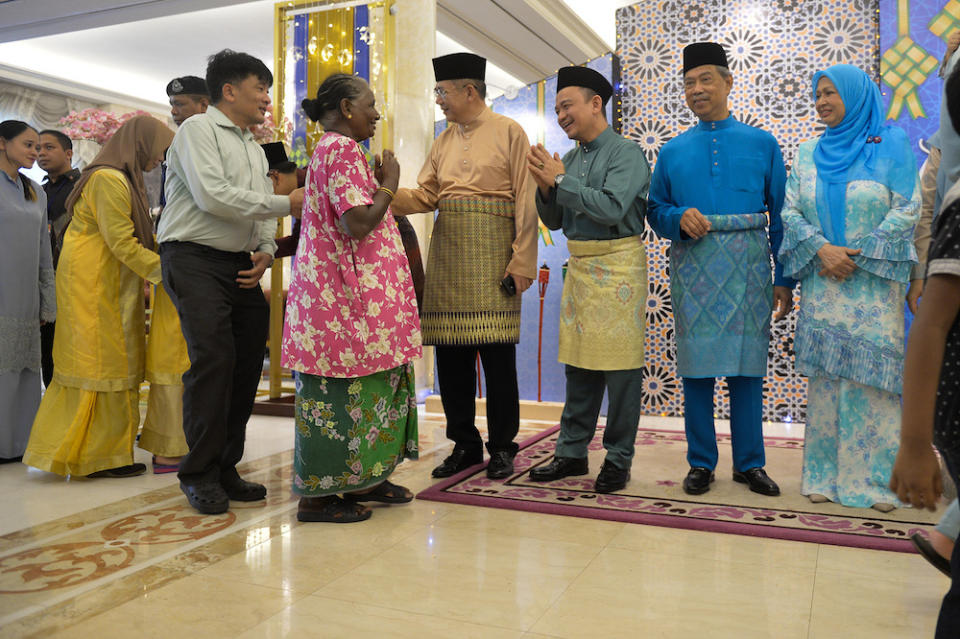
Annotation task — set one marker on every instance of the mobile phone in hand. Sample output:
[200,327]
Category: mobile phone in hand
[508,285]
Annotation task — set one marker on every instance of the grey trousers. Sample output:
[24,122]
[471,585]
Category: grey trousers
[582,408]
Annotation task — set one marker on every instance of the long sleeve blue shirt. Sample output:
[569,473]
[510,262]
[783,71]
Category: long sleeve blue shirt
[722,167]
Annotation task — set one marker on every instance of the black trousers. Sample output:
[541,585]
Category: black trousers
[457,377]
[46,352]
[225,328]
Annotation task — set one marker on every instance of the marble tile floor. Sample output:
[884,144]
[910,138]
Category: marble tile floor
[121,558]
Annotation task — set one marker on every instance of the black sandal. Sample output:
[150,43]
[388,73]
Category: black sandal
[207,497]
[928,552]
[130,470]
[334,511]
[385,492]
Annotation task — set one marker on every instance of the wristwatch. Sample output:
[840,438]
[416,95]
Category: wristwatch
[558,179]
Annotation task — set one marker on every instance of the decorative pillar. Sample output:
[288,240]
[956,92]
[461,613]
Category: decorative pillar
[411,109]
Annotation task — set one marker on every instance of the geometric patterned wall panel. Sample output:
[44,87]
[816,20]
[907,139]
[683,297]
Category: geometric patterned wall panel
[774,48]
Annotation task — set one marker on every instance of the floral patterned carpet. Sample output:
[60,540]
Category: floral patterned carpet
[654,496]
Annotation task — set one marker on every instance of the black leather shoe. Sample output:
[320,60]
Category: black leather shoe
[758,481]
[928,552]
[501,465]
[697,480]
[611,478]
[559,468]
[456,461]
[239,489]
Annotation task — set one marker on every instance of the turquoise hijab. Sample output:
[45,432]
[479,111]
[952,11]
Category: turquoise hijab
[852,143]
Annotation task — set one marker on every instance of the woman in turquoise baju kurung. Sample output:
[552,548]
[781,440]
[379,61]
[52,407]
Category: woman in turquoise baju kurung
[851,206]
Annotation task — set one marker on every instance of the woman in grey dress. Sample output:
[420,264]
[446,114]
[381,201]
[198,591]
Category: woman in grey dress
[27,293]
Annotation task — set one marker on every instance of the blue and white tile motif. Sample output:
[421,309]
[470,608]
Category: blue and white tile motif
[773,55]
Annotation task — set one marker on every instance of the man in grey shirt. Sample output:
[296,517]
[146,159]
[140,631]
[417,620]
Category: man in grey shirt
[216,240]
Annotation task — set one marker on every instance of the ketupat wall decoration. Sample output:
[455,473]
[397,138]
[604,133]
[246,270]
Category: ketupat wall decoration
[913,35]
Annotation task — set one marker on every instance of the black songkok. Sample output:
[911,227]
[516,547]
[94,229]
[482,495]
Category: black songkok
[701,53]
[187,85]
[459,66]
[277,157]
[587,78]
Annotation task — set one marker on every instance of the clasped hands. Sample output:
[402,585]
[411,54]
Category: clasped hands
[836,261]
[544,168]
[696,225]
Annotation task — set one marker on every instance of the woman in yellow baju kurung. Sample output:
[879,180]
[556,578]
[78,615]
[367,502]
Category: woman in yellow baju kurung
[167,361]
[89,416]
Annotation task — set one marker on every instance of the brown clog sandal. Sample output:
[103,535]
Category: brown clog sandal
[385,492]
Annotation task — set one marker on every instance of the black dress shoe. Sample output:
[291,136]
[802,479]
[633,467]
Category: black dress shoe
[611,478]
[501,465]
[928,552]
[697,480]
[456,461]
[559,468]
[758,481]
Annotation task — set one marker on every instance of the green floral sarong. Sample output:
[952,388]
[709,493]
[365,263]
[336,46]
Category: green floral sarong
[352,432]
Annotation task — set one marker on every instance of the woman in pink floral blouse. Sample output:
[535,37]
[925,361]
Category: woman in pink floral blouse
[352,330]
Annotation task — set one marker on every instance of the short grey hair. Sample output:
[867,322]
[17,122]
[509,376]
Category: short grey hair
[479,85]
[723,71]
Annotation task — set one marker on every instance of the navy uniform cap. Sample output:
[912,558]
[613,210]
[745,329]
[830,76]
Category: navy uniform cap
[187,85]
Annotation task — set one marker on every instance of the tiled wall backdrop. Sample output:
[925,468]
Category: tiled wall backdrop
[775,47]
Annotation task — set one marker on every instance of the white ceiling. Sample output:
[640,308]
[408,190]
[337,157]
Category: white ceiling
[600,15]
[136,53]
[139,58]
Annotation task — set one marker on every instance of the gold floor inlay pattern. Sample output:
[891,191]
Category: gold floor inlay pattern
[111,562]
[136,543]
[56,574]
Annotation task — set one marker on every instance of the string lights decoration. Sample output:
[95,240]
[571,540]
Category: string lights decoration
[270,131]
[312,39]
[315,38]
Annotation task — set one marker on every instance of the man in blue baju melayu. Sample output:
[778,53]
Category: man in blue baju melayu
[712,190]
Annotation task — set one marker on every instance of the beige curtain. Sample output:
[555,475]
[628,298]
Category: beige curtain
[41,109]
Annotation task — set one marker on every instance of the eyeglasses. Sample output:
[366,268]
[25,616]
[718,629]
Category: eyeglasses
[443,93]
